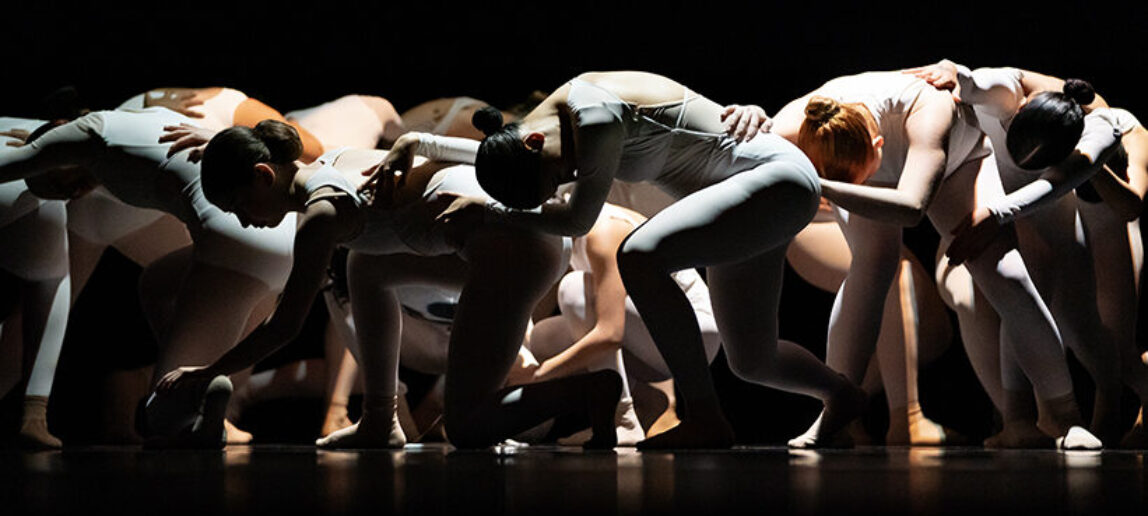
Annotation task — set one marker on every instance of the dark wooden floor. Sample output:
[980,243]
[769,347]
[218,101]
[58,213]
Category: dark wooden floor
[546,480]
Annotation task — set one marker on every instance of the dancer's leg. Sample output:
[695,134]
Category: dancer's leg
[1000,273]
[45,319]
[509,271]
[709,228]
[209,315]
[372,281]
[1052,242]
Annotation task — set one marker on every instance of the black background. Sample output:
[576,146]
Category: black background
[753,52]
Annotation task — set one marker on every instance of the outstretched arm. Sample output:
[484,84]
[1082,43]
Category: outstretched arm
[76,143]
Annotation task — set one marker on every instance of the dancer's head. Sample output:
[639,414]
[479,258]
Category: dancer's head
[62,183]
[842,140]
[247,171]
[1048,125]
[509,162]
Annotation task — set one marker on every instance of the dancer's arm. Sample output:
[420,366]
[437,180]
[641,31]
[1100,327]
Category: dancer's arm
[927,128]
[1097,143]
[76,143]
[597,151]
[322,228]
[999,92]
[609,305]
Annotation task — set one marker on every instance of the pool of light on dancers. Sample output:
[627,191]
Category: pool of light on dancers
[430,479]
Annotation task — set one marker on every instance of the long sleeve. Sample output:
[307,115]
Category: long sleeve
[598,150]
[446,148]
[1098,140]
[998,91]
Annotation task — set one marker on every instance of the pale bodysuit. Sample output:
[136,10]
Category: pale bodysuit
[34,248]
[969,181]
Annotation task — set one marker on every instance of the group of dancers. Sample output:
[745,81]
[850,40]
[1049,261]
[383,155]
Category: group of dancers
[567,238]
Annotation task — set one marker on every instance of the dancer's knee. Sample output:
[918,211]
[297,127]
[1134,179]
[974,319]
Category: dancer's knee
[754,371]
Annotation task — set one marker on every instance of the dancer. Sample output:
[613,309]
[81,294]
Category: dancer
[917,155]
[232,271]
[739,204]
[34,285]
[914,331]
[1011,102]
[501,270]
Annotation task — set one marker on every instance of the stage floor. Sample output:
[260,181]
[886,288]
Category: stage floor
[434,479]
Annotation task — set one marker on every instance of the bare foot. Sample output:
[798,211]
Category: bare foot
[234,435]
[366,434]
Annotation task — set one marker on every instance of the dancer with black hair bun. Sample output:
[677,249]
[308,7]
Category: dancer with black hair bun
[1058,135]
[741,199]
[397,237]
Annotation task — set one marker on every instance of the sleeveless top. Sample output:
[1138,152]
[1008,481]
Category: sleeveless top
[890,96]
[409,228]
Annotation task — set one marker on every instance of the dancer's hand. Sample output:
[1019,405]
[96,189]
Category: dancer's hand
[389,175]
[942,75]
[186,136]
[461,216]
[18,134]
[521,373]
[973,235]
[744,122]
[180,100]
[183,377]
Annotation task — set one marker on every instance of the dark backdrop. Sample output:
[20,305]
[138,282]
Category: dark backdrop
[753,52]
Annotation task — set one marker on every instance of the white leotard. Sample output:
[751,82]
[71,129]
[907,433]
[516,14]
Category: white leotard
[33,239]
[890,96]
[343,122]
[406,229]
[262,253]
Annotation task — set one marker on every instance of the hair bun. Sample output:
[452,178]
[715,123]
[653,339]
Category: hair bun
[488,120]
[282,140]
[1080,91]
[820,109]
